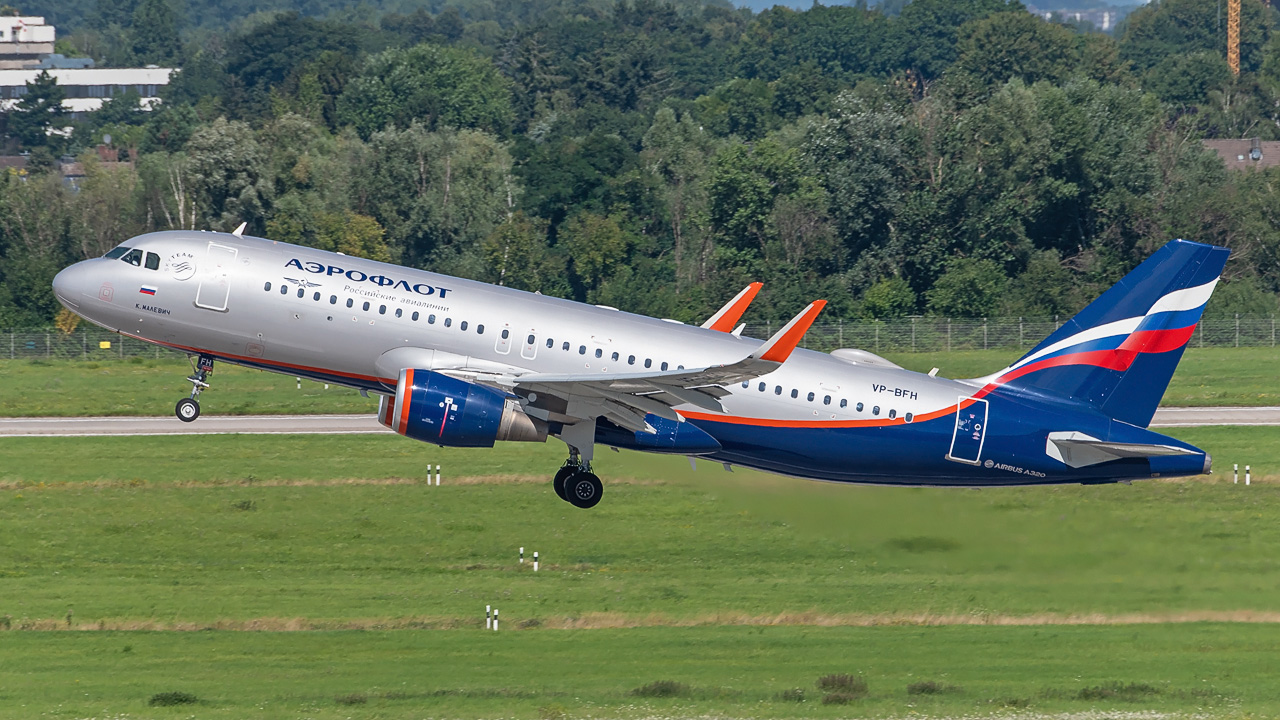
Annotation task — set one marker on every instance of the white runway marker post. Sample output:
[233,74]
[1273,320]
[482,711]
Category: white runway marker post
[521,556]
[535,561]
[437,476]
[1247,474]
[488,617]
[1235,473]
[495,619]
[299,383]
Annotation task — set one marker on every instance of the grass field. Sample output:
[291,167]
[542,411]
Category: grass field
[304,576]
[1208,376]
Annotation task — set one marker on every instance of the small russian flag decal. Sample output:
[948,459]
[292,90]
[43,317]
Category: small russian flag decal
[147,290]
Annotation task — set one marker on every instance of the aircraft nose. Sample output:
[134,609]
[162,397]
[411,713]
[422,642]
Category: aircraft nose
[69,285]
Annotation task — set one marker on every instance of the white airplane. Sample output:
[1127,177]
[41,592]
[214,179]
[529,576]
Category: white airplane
[463,363]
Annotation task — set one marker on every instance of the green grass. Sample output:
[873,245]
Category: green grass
[713,594]
[1209,376]
[1219,669]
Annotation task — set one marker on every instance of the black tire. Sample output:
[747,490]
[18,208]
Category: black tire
[584,490]
[562,475]
[187,410]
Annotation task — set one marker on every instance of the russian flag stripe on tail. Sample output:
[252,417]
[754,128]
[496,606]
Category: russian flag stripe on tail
[1119,353]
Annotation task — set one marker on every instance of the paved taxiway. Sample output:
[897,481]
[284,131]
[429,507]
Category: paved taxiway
[363,424]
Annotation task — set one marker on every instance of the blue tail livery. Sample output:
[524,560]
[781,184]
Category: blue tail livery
[1119,353]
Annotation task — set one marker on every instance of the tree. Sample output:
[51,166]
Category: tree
[39,111]
[596,245]
[436,86]
[1011,45]
[155,33]
[224,172]
[1187,78]
[888,298]
[515,253]
[924,37]
[969,288]
[1157,30]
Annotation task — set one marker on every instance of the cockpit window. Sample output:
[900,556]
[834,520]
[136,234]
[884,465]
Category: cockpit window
[117,252]
[153,261]
[134,257]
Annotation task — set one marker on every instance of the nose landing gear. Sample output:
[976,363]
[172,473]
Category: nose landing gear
[188,408]
[576,484]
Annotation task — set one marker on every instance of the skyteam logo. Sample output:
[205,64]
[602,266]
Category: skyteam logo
[362,277]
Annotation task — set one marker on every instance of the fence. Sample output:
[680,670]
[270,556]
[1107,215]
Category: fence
[920,334]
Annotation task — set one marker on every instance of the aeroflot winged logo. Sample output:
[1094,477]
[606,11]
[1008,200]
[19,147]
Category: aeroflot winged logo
[358,276]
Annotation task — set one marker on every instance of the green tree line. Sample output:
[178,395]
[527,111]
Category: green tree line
[960,158]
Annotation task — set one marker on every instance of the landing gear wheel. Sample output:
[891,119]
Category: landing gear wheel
[562,475]
[583,489]
[187,410]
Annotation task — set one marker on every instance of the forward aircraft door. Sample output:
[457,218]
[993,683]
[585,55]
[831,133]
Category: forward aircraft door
[971,430]
[215,280]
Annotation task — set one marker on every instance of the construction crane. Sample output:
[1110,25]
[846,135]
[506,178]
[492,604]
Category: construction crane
[1233,36]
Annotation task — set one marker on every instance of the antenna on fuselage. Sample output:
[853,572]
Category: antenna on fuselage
[239,232]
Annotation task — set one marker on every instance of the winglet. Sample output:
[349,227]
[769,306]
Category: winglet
[239,232]
[779,347]
[724,320]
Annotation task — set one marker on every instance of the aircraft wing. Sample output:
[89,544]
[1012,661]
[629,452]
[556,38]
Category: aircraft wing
[1077,449]
[626,398]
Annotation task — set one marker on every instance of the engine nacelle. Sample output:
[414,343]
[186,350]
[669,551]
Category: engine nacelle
[436,408]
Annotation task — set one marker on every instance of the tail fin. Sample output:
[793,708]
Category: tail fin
[1119,353]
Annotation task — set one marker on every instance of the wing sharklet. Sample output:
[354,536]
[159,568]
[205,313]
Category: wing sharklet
[783,342]
[724,320]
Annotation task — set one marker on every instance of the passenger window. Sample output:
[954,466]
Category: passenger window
[479,329]
[399,312]
[463,326]
[844,403]
[565,347]
[762,386]
[631,359]
[350,302]
[431,319]
[115,253]
[648,362]
[826,400]
[795,393]
[317,297]
[582,349]
[664,366]
[859,407]
[366,304]
[907,417]
[267,287]
[810,397]
[530,341]
[550,343]
[153,261]
[301,292]
[746,383]
[777,390]
[284,289]
[133,258]
[414,316]
[599,353]
[615,357]
[893,414]
[333,299]
[448,322]
[875,410]
[506,334]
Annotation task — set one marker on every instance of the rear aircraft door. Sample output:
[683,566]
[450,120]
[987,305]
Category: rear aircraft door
[971,430]
[215,280]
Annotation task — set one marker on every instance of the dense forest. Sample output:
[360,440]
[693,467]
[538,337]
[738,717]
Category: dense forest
[958,158]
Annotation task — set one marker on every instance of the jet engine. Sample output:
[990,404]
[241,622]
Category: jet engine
[436,408]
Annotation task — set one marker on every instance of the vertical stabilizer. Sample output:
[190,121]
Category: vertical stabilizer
[1119,353]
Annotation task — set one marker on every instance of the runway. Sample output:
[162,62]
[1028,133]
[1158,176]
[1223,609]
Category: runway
[368,424]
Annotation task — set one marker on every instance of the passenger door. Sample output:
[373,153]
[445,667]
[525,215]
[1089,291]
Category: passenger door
[215,280]
[970,431]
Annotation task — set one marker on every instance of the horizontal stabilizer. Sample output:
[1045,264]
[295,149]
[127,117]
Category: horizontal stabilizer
[728,316]
[1077,450]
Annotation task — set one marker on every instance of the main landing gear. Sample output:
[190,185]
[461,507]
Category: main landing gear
[188,408]
[576,484]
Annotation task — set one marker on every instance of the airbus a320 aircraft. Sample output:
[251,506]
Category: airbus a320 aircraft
[465,364]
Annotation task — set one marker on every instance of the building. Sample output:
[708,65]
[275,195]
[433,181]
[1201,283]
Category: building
[88,88]
[24,41]
[1246,154]
[26,49]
